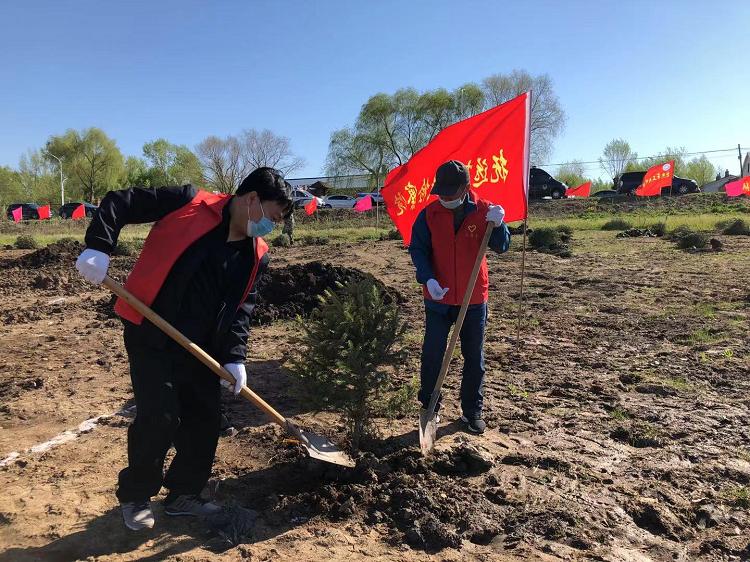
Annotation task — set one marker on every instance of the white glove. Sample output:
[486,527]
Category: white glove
[436,291]
[496,214]
[237,370]
[93,265]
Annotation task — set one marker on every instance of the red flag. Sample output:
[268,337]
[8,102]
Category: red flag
[79,213]
[583,190]
[494,145]
[657,178]
[17,214]
[311,206]
[44,212]
[363,204]
[738,187]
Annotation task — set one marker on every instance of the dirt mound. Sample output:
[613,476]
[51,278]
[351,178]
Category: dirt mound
[425,501]
[295,289]
[64,251]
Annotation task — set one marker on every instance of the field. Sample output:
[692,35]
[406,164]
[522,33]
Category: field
[618,416]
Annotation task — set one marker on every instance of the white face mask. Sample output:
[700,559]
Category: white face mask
[455,204]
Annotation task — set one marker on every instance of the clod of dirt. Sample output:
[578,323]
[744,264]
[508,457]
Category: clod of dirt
[233,524]
[657,519]
[465,459]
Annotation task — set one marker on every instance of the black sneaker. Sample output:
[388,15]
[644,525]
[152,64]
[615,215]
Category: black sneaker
[191,505]
[474,424]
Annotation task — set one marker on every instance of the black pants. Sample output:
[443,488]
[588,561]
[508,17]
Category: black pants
[177,401]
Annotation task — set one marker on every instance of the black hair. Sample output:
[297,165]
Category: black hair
[270,185]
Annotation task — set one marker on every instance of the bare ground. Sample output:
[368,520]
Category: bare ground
[618,426]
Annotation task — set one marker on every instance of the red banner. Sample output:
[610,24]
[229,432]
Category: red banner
[583,190]
[657,178]
[44,212]
[79,213]
[363,204]
[17,214]
[494,147]
[738,187]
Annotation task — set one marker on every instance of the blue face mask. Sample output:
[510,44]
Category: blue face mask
[260,228]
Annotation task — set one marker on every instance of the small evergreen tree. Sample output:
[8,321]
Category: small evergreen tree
[347,355]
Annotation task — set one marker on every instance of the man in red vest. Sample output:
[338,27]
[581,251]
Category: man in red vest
[444,244]
[196,270]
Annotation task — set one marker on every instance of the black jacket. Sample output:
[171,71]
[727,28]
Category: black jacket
[218,322]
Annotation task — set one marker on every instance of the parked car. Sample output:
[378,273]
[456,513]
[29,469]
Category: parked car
[66,211]
[30,211]
[605,193]
[627,183]
[377,198]
[339,201]
[301,197]
[541,185]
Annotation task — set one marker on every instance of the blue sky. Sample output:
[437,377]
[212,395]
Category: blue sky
[656,73]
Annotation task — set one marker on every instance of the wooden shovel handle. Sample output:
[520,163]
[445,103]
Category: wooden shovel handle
[201,355]
[460,320]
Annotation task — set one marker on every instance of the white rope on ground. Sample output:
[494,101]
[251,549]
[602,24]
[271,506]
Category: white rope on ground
[67,435]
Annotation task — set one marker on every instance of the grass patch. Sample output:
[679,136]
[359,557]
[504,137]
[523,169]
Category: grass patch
[704,336]
[738,496]
[281,241]
[518,392]
[25,242]
[619,414]
[617,224]
[736,227]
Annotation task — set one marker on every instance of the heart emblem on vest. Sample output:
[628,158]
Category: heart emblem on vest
[472,228]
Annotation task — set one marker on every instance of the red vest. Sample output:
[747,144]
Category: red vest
[167,241]
[454,253]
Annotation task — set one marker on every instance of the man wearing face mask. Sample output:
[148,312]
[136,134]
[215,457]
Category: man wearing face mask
[445,240]
[197,270]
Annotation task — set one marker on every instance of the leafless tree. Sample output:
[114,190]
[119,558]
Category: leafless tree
[264,148]
[616,156]
[547,115]
[223,162]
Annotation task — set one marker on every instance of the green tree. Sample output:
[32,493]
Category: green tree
[391,128]
[347,354]
[617,158]
[10,188]
[669,153]
[37,178]
[91,160]
[135,173]
[701,170]
[171,164]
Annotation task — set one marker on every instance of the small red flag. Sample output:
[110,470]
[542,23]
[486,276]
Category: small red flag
[738,187]
[657,178]
[493,145]
[44,212]
[17,214]
[363,204]
[311,206]
[79,213]
[583,190]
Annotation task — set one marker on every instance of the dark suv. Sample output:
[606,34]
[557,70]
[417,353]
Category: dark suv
[29,211]
[627,183]
[541,184]
[66,211]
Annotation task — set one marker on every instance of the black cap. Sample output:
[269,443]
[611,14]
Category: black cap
[449,178]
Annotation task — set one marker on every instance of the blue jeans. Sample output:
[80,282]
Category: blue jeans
[438,322]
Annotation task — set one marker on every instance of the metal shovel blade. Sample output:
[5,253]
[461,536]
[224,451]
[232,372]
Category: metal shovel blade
[320,448]
[427,432]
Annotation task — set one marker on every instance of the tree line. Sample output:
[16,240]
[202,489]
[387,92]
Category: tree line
[89,163]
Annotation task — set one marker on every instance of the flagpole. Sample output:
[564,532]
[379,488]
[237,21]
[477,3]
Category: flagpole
[520,297]
[525,220]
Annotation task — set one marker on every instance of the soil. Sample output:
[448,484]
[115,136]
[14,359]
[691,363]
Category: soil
[617,423]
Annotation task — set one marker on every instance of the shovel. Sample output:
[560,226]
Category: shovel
[317,447]
[427,425]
